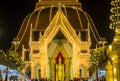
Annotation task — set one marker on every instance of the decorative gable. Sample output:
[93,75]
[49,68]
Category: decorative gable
[59,24]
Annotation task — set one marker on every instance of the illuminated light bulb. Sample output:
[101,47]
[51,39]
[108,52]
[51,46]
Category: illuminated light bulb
[110,47]
[115,39]
[116,30]
[115,80]
[112,58]
[114,69]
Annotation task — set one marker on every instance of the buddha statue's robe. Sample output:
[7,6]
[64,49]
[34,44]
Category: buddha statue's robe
[59,71]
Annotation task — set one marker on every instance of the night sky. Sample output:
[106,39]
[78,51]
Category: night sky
[12,13]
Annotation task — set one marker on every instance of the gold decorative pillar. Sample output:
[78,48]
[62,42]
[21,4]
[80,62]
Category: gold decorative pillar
[32,70]
[112,66]
[44,62]
[75,63]
[116,68]
[109,71]
[52,71]
[70,68]
[114,54]
[48,68]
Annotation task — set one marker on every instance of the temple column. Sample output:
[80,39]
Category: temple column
[116,71]
[49,68]
[67,69]
[115,62]
[109,71]
[33,74]
[52,69]
[70,69]
[75,63]
[44,62]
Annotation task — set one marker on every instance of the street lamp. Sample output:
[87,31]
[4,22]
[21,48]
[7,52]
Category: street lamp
[103,42]
[15,42]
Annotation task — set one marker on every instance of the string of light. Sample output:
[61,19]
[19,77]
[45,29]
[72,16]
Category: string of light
[115,14]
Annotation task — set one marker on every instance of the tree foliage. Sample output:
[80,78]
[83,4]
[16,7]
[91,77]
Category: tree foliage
[13,57]
[98,58]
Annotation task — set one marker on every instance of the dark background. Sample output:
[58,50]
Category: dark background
[12,13]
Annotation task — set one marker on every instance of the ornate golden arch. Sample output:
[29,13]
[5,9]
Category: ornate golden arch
[52,62]
[38,71]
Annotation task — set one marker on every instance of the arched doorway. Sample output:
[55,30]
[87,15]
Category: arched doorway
[54,60]
[38,72]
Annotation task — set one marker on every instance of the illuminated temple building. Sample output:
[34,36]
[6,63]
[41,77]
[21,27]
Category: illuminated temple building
[57,28]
